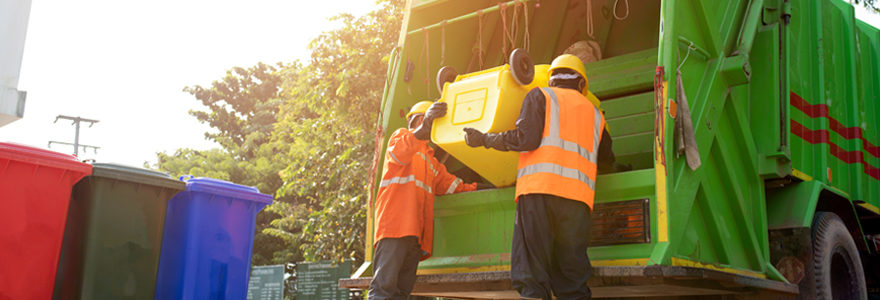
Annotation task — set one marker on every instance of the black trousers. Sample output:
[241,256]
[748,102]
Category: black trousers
[395,263]
[550,239]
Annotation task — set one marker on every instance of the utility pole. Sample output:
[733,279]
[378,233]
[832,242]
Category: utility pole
[76,122]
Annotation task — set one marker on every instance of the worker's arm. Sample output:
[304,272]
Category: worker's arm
[446,183]
[423,132]
[529,127]
[606,157]
[402,147]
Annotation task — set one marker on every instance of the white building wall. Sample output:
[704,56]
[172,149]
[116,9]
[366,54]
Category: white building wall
[13,27]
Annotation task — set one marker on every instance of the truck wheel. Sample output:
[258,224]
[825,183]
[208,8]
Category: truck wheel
[521,66]
[444,75]
[836,262]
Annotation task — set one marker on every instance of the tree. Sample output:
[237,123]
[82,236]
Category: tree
[329,123]
[242,107]
[214,163]
[303,132]
[870,5]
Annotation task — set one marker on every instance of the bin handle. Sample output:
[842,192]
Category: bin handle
[186,177]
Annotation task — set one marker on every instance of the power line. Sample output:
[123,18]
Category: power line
[76,122]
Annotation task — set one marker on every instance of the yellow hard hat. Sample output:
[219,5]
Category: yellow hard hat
[419,108]
[568,61]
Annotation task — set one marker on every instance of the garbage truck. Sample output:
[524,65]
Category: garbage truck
[748,128]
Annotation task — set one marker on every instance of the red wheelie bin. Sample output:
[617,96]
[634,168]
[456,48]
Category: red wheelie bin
[35,187]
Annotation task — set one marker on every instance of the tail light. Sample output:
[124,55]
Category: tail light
[623,222]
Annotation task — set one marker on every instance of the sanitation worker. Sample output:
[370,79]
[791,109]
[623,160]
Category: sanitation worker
[405,205]
[562,141]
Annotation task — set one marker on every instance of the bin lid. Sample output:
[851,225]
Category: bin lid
[43,157]
[226,188]
[135,174]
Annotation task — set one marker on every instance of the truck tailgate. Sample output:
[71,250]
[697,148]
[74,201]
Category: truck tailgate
[607,282]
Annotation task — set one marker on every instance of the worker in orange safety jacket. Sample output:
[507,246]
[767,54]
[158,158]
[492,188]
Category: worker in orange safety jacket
[404,207]
[562,141]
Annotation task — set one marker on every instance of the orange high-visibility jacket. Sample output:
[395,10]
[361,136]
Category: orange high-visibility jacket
[410,179]
[564,164]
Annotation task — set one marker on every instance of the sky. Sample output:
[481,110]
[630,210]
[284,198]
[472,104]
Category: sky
[867,17]
[125,63]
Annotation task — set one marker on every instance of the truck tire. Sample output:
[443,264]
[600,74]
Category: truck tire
[836,263]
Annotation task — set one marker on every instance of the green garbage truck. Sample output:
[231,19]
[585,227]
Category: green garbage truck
[748,128]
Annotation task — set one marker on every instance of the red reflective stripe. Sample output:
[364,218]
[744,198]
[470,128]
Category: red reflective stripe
[812,110]
[822,110]
[822,136]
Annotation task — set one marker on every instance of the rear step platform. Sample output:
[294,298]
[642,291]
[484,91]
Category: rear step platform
[607,282]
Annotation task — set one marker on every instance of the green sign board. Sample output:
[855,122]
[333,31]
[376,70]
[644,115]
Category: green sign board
[319,281]
[267,283]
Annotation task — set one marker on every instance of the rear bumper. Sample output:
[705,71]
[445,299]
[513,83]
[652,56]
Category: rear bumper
[631,281]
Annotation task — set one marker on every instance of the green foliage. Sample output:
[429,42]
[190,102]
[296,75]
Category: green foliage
[870,5]
[329,127]
[261,172]
[305,133]
[242,107]
[214,163]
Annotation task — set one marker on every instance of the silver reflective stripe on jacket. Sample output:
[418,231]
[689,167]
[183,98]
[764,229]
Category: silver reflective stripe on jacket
[569,146]
[553,139]
[428,162]
[558,170]
[453,186]
[405,180]
[391,151]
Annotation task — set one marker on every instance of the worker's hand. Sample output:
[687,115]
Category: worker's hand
[438,109]
[474,138]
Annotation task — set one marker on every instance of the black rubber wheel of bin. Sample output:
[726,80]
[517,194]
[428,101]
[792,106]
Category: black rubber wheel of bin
[836,263]
[521,66]
[444,75]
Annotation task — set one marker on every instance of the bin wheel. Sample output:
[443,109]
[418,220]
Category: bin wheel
[521,66]
[836,262]
[444,75]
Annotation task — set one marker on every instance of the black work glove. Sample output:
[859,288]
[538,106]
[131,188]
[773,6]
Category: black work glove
[474,138]
[484,186]
[436,110]
[495,140]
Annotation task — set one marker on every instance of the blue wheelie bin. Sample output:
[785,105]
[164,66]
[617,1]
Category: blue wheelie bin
[208,240]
